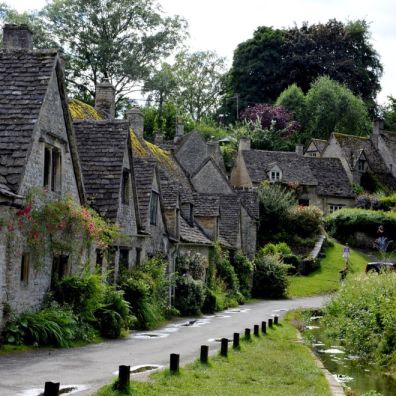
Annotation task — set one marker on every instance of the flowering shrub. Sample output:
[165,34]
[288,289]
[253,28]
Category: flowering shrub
[56,226]
[305,221]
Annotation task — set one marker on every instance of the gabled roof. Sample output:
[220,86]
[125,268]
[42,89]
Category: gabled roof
[249,200]
[206,205]
[352,146]
[192,234]
[320,144]
[229,220]
[101,147]
[24,78]
[293,166]
[331,176]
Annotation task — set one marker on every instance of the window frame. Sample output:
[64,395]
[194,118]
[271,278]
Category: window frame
[25,268]
[153,207]
[125,183]
[53,168]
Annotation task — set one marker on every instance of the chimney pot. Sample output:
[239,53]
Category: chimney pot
[17,37]
[136,121]
[105,99]
[179,131]
[244,144]
[300,149]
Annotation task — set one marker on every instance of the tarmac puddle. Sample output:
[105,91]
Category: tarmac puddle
[64,390]
[149,336]
[142,368]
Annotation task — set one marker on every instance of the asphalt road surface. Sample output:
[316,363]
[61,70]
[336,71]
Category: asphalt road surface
[90,367]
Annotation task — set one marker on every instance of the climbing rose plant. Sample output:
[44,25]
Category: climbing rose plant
[59,226]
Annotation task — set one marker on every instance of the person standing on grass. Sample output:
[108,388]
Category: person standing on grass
[345,255]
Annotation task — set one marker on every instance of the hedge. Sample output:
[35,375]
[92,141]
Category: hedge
[345,222]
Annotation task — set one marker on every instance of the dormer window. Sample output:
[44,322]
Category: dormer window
[52,169]
[275,176]
[361,165]
[153,208]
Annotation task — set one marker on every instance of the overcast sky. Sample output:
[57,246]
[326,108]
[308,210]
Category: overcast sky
[220,25]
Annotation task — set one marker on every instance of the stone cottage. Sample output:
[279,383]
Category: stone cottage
[321,182]
[37,150]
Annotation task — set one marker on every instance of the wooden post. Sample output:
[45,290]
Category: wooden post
[235,341]
[204,354]
[247,334]
[124,375]
[51,389]
[270,323]
[224,347]
[174,363]
[276,320]
[256,330]
[264,327]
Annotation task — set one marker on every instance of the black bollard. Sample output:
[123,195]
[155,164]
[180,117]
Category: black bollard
[124,375]
[51,389]
[235,341]
[256,330]
[224,347]
[204,354]
[264,327]
[174,363]
[270,323]
[276,320]
[247,334]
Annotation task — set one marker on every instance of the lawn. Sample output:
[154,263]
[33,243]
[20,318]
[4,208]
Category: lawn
[274,364]
[327,278]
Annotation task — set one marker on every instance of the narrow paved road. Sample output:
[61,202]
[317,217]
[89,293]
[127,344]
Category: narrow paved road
[93,366]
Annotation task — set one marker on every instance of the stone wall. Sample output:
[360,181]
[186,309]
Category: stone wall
[209,225]
[50,128]
[209,180]
[239,174]
[248,234]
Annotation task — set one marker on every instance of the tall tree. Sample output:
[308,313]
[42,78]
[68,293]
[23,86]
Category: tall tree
[199,81]
[389,114]
[331,107]
[274,59]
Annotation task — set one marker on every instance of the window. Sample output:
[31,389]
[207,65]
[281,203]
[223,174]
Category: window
[99,259]
[125,187]
[60,268]
[334,207]
[275,176]
[52,169]
[303,202]
[138,255]
[25,267]
[361,165]
[124,258]
[153,208]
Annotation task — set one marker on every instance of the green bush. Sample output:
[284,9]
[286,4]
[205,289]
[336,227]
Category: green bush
[83,294]
[293,261]
[269,277]
[305,221]
[308,265]
[189,295]
[53,326]
[362,317]
[271,249]
[244,270]
[192,264]
[210,303]
[113,315]
[146,290]
[345,222]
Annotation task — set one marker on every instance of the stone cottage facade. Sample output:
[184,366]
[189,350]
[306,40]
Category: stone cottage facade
[318,181]
[37,149]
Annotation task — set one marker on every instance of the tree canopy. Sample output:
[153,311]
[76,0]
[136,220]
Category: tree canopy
[274,59]
[121,40]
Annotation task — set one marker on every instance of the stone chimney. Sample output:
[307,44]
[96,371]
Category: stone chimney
[136,121]
[244,144]
[17,37]
[158,138]
[105,99]
[300,149]
[179,131]
[378,126]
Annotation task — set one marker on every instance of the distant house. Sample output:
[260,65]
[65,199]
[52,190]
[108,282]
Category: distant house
[373,154]
[321,182]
